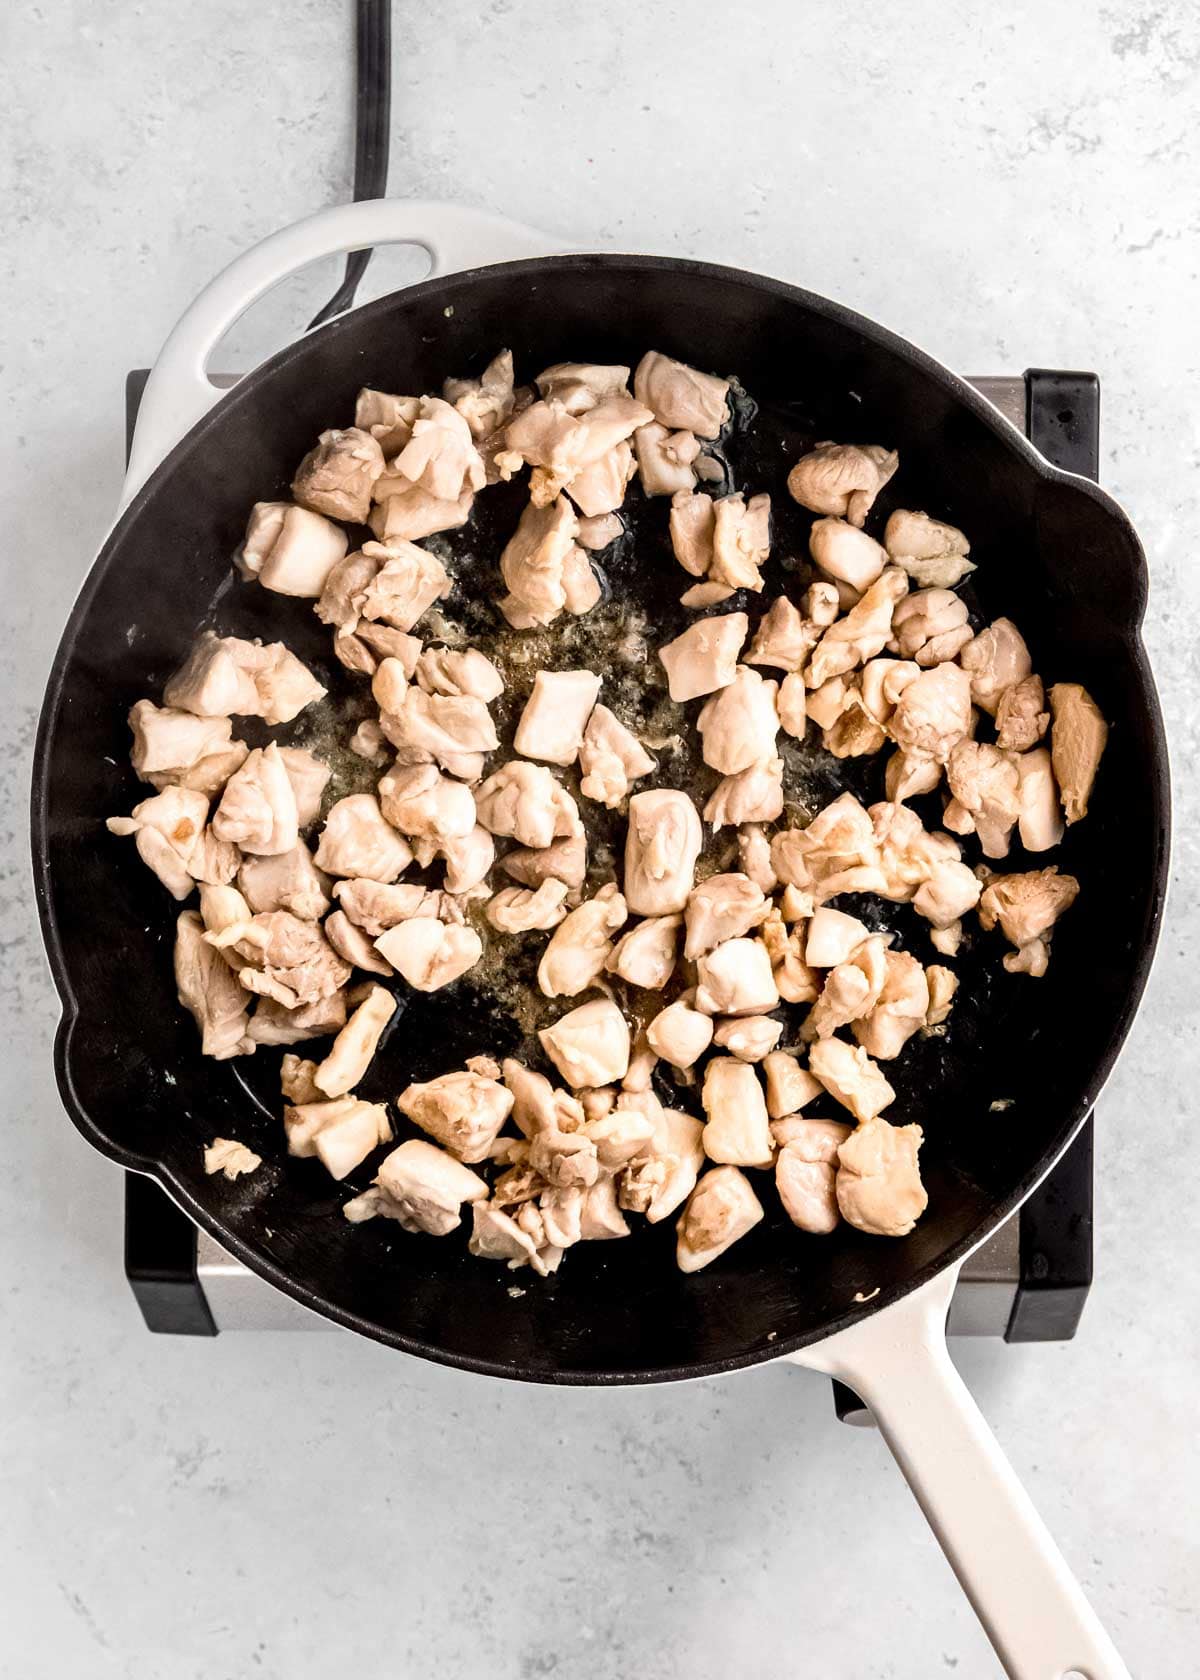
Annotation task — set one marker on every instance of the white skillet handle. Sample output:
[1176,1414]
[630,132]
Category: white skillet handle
[179,391]
[1030,1604]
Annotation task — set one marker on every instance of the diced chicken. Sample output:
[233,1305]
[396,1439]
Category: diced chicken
[388,418]
[173,840]
[562,444]
[851,990]
[533,561]
[522,909]
[424,805]
[565,861]
[657,1181]
[842,479]
[619,1136]
[462,1111]
[738,725]
[665,460]
[722,907]
[309,777]
[1040,819]
[273,1023]
[589,1045]
[949,891]
[737,1132]
[537,1105]
[355,1045]
[754,854]
[749,1038]
[389,685]
[230,1158]
[453,731]
[579,386]
[405,513]
[704,658]
[440,456]
[357,841]
[350,942]
[258,808]
[1021,716]
[610,757]
[552,723]
[995,660]
[942,984]
[600,488]
[367,644]
[837,852]
[930,626]
[794,980]
[525,802]
[170,745]
[692,527]
[581,587]
[934,555]
[484,403]
[599,532]
[407,583]
[736,979]
[741,541]
[601,1218]
[429,953]
[862,634]
[340,1133]
[681,397]
[210,991]
[645,956]
[985,785]
[901,1008]
[296,1080]
[720,1210]
[932,715]
[1077,741]
[1027,906]
[795,905]
[469,858]
[224,676]
[789,1086]
[879,1187]
[833,937]
[285,881]
[752,796]
[376,905]
[581,945]
[844,552]
[807,1190]
[662,844]
[458,672]
[290,549]
[947,939]
[425,1187]
[337,475]
[784,638]
[680,1034]
[851,1077]
[284,958]
[221,907]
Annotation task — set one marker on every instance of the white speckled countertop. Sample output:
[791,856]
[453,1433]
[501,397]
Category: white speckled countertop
[1009,189]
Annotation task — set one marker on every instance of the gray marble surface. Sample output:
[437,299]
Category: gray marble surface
[1007,189]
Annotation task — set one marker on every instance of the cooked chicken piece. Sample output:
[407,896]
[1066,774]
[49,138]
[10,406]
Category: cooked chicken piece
[752,796]
[662,844]
[376,906]
[458,672]
[737,1132]
[309,777]
[579,386]
[934,555]
[296,1080]
[424,1188]
[1027,907]
[620,1136]
[224,676]
[1040,818]
[403,512]
[600,488]
[749,1039]
[657,1181]
[901,1008]
[533,560]
[469,858]
[258,808]
[172,839]
[704,657]
[738,725]
[407,583]
[851,990]
[525,802]
[210,991]
[565,861]
[424,805]
[581,586]
[350,942]
[355,1046]
[692,526]
[665,460]
[794,905]
[581,945]
[879,1187]
[169,744]
[851,1077]
[221,907]
[985,785]
[285,881]
[680,1034]
[682,398]
[462,1111]
[833,937]
[932,715]
[789,1086]
[741,541]
[610,757]
[995,660]
[949,892]
[552,723]
[274,1024]
[825,705]
[844,552]
[754,854]
[948,939]
[602,1218]
[599,532]
[882,682]
[495,1236]
[784,637]
[807,1191]
[290,550]
[538,1106]
[440,456]
[549,436]
[389,685]
[284,958]
[232,1159]
[484,403]
[645,956]
[522,909]
[720,908]
[736,979]
[596,1104]
[931,626]
[1021,716]
[837,847]
[589,1045]
[862,634]
[454,731]
[337,476]
[703,595]
[719,1210]
[1077,741]
[357,841]
[942,984]
[341,1133]
[842,479]
[362,649]
[429,953]
[854,734]
[389,419]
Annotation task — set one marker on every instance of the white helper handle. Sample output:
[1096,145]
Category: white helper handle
[179,392]
[1031,1606]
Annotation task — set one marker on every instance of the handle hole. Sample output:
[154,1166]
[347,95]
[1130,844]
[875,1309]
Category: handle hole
[1074,1674]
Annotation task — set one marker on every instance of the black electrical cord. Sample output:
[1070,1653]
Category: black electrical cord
[372,120]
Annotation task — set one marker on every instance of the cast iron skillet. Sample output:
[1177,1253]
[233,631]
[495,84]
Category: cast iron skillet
[1055,553]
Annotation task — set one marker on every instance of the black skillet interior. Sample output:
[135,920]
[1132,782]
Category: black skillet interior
[1056,556]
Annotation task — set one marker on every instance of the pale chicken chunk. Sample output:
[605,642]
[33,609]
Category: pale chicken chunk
[692,527]
[337,475]
[741,541]
[376,905]
[1041,824]
[533,561]
[942,984]
[283,958]
[404,512]
[429,953]
[832,937]
[645,956]
[210,991]
[995,660]
[934,555]
[837,852]
[1077,741]
[720,1210]
[522,909]
[754,854]
[171,836]
[424,805]
[753,795]
[340,1133]
[851,990]
[389,685]
[784,637]
[862,634]
[933,714]
[290,549]
[600,488]
[749,1038]
[407,582]
[581,945]
[680,1034]
[272,1023]
[285,881]
[552,724]
[296,1079]
[599,532]
[662,844]
[537,1105]
[1026,906]
[793,705]
[230,1158]
[901,1008]
[660,1179]
[720,908]
[736,978]
[985,784]
[363,648]
[440,455]
[704,658]
[526,803]
[357,841]
[610,758]
[350,942]
[258,807]
[224,676]
[842,479]
[309,778]
[177,748]
[458,672]
[879,1187]
[589,1045]
[665,460]
[579,386]
[807,1190]
[424,1188]
[221,907]
[1021,716]
[681,397]
[565,860]
[930,626]
[619,1136]
[484,403]
[388,418]
[844,552]
[463,1111]
[737,1131]
[851,1077]
[790,1087]
[453,731]
[739,723]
